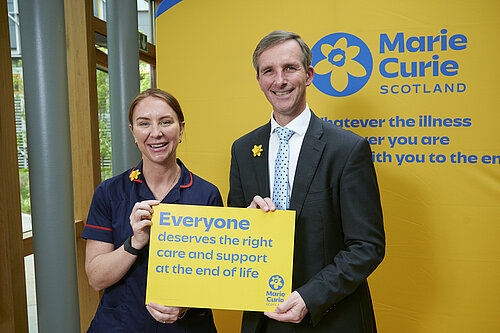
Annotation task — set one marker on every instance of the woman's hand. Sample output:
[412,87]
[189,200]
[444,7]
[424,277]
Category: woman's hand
[106,265]
[165,314]
[140,221]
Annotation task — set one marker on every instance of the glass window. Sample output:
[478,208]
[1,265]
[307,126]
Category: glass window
[145,75]
[22,141]
[104,124]
[100,9]
[22,155]
[145,15]
[15,35]
[144,19]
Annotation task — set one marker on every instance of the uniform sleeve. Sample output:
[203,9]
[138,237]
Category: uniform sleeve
[99,223]
[215,199]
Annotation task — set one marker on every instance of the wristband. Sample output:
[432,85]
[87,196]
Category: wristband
[129,248]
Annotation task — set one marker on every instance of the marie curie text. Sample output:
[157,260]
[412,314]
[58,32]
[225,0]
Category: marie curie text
[166,218]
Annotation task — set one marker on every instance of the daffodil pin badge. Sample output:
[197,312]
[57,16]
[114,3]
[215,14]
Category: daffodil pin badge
[257,150]
[134,175]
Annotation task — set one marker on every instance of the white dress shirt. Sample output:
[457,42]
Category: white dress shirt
[299,126]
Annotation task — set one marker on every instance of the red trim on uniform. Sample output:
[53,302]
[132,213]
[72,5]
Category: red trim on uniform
[137,180]
[97,227]
[190,182]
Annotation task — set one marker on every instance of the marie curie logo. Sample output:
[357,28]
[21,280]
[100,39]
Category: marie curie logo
[276,282]
[342,63]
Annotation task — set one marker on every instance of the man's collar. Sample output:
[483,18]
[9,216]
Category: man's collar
[298,125]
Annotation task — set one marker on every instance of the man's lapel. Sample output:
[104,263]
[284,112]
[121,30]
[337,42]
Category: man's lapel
[309,157]
[260,163]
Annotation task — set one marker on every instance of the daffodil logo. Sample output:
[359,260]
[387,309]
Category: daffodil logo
[342,63]
[276,282]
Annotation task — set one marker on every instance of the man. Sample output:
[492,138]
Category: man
[326,175]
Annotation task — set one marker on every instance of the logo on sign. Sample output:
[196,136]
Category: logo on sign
[274,296]
[342,63]
[276,282]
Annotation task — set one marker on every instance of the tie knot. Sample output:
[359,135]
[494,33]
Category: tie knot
[284,133]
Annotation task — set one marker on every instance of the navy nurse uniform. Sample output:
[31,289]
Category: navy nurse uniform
[122,307]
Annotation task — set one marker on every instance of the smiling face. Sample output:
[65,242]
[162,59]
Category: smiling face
[157,130]
[283,79]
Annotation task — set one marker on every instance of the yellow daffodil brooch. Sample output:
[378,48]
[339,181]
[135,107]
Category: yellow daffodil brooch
[134,175]
[257,150]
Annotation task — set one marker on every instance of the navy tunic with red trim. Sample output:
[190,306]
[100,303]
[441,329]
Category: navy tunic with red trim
[122,307]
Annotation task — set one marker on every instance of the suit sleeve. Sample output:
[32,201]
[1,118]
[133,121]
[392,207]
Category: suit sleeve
[363,236]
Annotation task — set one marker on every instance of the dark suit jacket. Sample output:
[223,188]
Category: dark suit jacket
[339,233]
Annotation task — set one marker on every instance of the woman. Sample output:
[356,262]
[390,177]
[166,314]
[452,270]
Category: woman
[117,228]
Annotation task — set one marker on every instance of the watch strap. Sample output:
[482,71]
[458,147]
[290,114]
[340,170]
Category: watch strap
[127,246]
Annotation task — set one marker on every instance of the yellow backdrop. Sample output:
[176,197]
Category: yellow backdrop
[419,79]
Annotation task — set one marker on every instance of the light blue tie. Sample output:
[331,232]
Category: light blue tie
[280,187]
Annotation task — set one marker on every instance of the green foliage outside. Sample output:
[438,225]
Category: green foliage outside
[145,76]
[17,82]
[24,184]
[104,124]
[24,181]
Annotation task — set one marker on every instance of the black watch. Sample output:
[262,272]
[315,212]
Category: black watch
[129,248]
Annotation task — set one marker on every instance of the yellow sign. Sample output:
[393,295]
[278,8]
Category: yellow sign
[220,258]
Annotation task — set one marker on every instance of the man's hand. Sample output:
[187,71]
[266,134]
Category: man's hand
[165,314]
[292,310]
[266,204]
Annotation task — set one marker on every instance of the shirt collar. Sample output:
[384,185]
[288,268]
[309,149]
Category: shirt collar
[298,125]
[185,181]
